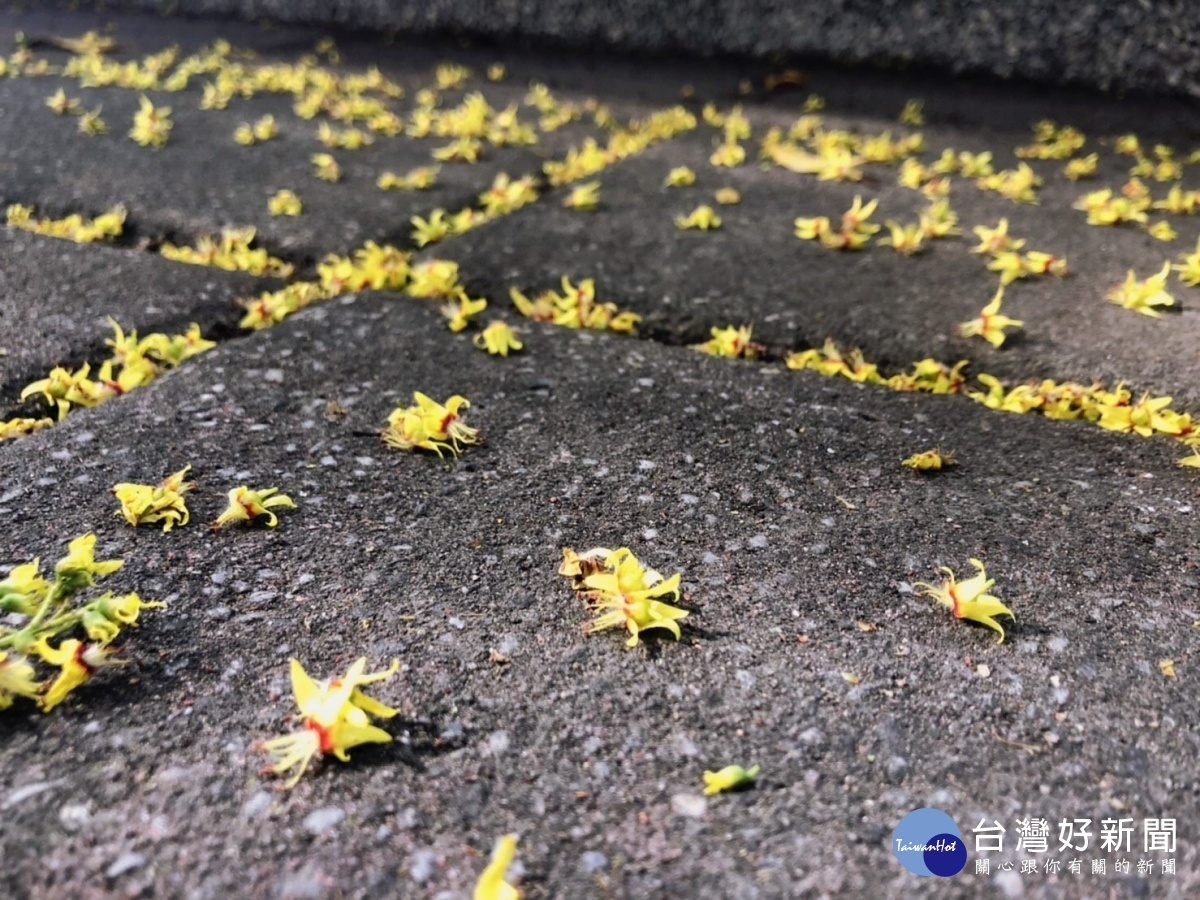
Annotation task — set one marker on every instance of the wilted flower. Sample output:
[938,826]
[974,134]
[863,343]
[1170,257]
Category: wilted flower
[970,599]
[245,505]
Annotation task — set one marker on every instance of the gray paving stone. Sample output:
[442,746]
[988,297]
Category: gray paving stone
[578,744]
[897,309]
[56,297]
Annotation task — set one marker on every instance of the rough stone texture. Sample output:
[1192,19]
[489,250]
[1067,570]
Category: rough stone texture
[1119,44]
[779,497]
[62,318]
[176,192]
[777,494]
[796,293]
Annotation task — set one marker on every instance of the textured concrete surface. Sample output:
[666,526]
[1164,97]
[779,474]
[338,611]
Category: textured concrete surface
[796,293]
[741,477]
[778,495]
[46,321]
[1117,44]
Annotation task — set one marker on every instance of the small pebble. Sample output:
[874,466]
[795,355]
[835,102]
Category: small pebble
[126,862]
[322,820]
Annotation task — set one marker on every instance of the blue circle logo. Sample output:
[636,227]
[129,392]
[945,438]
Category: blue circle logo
[927,842]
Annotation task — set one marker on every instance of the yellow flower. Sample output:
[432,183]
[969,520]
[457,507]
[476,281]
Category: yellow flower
[729,778]
[15,428]
[1178,201]
[462,309]
[506,194]
[419,179]
[465,149]
[905,239]
[812,229]
[23,588]
[1144,296]
[16,679]
[431,230]
[496,72]
[90,123]
[584,197]
[77,662]
[728,341]
[150,503]
[938,220]
[1146,416]
[102,618]
[434,279]
[1189,269]
[1021,399]
[1162,231]
[728,154]
[929,460]
[79,568]
[284,203]
[151,124]
[335,717]
[702,217]
[626,595]
[62,104]
[430,425]
[1082,167]
[245,505]
[244,134]
[451,76]
[970,599]
[327,168]
[913,113]
[265,128]
[680,176]
[1193,460]
[491,884]
[990,324]
[497,339]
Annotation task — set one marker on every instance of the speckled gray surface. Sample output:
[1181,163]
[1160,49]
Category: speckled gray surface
[63,320]
[1120,44]
[777,495]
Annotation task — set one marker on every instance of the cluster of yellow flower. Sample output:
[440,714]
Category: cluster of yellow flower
[1052,141]
[731,341]
[590,158]
[834,154]
[232,252]
[163,502]
[419,179]
[1114,410]
[429,425]
[1163,166]
[134,363]
[506,195]
[284,203]
[575,307]
[623,593]
[702,218]
[1019,185]
[855,231]
[40,611]
[72,228]
[1105,208]
[264,129]
[335,716]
